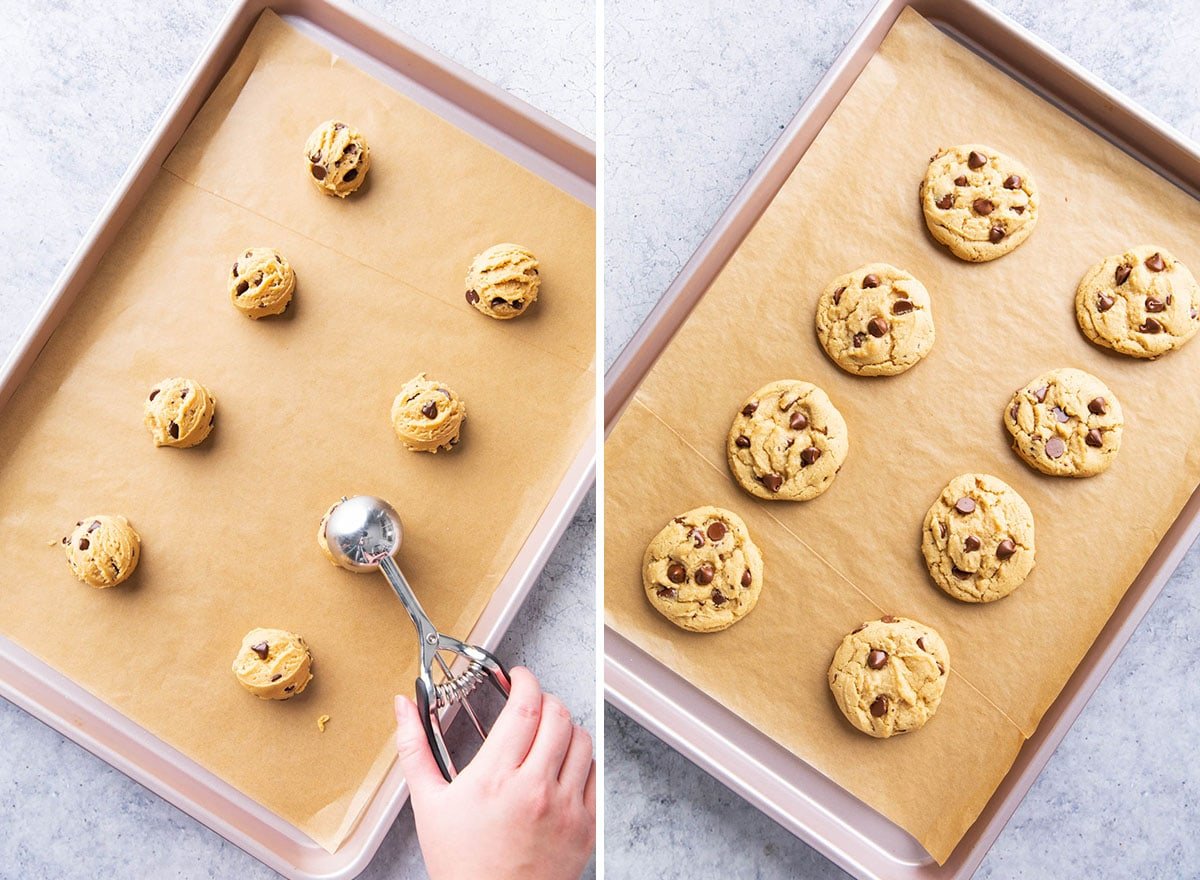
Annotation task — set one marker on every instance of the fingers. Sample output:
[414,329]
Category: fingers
[577,765]
[515,728]
[553,737]
[589,792]
[416,759]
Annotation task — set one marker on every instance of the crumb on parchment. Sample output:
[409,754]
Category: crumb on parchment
[321,722]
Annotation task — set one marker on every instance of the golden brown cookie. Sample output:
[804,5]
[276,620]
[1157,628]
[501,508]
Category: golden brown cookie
[1065,423]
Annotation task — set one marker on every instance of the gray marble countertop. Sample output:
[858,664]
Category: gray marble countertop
[695,95]
[84,85]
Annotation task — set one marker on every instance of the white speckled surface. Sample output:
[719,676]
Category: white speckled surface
[694,100]
[84,84]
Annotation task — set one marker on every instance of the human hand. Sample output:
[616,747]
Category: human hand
[523,809]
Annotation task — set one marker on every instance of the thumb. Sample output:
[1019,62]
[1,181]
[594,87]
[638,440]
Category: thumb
[416,759]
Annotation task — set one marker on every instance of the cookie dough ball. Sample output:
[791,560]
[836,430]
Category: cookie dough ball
[978,539]
[338,158]
[787,442]
[261,283]
[103,551]
[179,412]
[321,541]
[702,572]
[978,202]
[427,416]
[889,674]
[875,321]
[1142,303]
[503,281]
[273,664]
[1065,423]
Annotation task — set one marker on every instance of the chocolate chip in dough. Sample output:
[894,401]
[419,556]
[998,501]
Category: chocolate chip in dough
[350,175]
[1059,414]
[961,180]
[1055,447]
[996,234]
[749,409]
[983,206]
[499,301]
[1150,326]
[242,287]
[1094,438]
[1155,263]
[965,505]
[1104,302]
[1154,305]
[921,643]
[718,598]
[716,531]
[705,574]
[837,295]
[870,281]
[261,649]
[154,394]
[742,442]
[666,593]
[1040,393]
[976,159]
[877,327]
[84,543]
[902,307]
[859,339]
[276,676]
[1012,182]
[318,171]
[747,578]
[809,456]
[798,421]
[676,573]
[959,573]
[173,430]
[877,659]
[1006,549]
[971,544]
[697,537]
[472,297]
[887,618]
[771,481]
[945,202]
[880,706]
[95,525]
[1122,273]
[1097,406]
[429,410]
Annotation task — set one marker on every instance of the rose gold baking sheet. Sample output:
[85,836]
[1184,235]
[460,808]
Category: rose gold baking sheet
[854,553]
[229,527]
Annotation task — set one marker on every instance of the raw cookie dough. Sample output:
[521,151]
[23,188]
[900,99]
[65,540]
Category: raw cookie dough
[321,541]
[179,412]
[273,664]
[787,442]
[979,203]
[503,281]
[338,158]
[1065,423]
[889,674]
[427,416]
[875,321]
[103,551]
[978,539]
[261,283]
[1142,303]
[702,572]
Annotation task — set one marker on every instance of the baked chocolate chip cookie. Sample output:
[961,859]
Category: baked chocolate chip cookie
[1065,423]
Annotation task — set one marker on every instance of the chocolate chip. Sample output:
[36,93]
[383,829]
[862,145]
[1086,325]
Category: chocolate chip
[318,171]
[676,573]
[154,394]
[921,643]
[859,339]
[338,126]
[277,676]
[1150,326]
[1122,273]
[173,430]
[1169,298]
[234,272]
[1094,438]
[95,525]
[697,537]
[65,539]
[1154,305]
[1040,394]
[971,544]
[261,649]
[877,659]
[870,281]
[1098,406]
[1018,209]
[350,175]
[747,578]
[1006,549]
[84,543]
[942,528]
[877,327]
[705,574]
[1155,263]
[902,307]
[716,531]
[983,206]
[1012,182]
[961,180]
[837,295]
[315,157]
[860,629]
[959,573]
[429,410]
[965,505]
[798,421]
[1055,447]
[242,287]
[771,481]
[499,301]
[941,668]
[718,598]
[976,159]
[945,201]
[748,409]
[996,234]
[472,297]
[517,304]
[1060,414]
[258,279]
[666,593]
[289,688]
[742,442]
[351,149]
[887,618]
[1012,411]
[880,706]
[809,456]
[1104,303]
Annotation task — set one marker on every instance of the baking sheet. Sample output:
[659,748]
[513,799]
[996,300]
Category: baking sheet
[854,552]
[229,527]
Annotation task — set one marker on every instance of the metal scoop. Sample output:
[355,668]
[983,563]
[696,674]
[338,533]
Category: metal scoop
[363,534]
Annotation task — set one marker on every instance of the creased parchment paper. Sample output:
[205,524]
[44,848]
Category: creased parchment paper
[229,528]
[854,553]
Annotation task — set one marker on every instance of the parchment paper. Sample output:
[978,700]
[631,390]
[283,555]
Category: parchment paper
[229,528]
[854,552]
